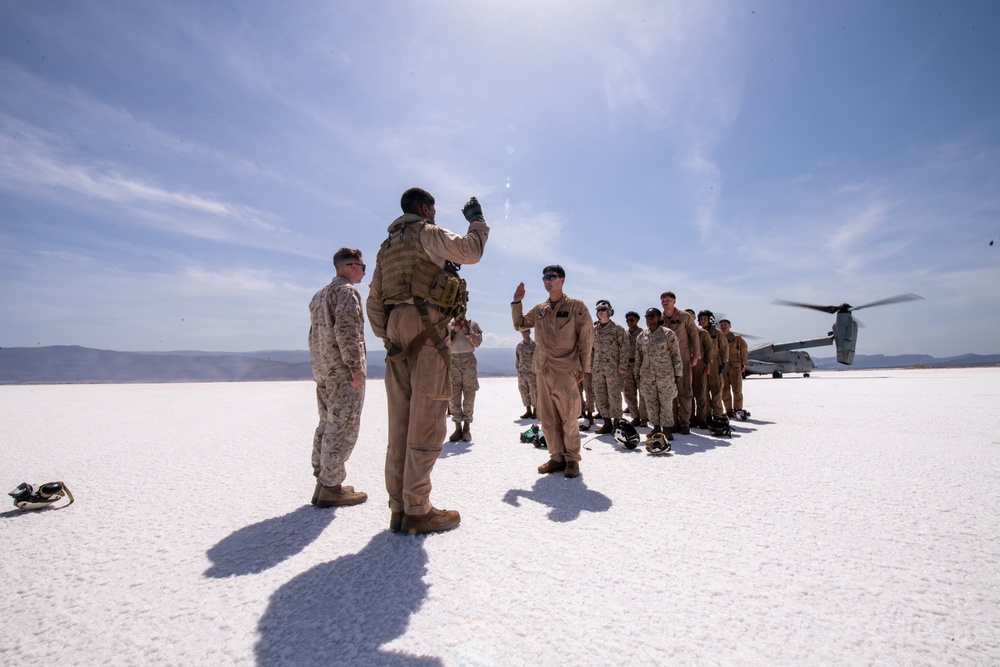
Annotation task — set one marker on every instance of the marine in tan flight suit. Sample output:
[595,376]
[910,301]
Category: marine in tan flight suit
[415,291]
[732,379]
[683,325]
[564,336]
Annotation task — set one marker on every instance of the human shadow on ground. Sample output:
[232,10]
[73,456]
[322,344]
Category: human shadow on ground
[455,449]
[261,546]
[342,611]
[696,443]
[568,498]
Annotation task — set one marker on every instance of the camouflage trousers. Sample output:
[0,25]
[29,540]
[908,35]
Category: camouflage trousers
[464,385]
[732,389]
[685,395]
[608,394]
[528,386]
[631,392]
[658,394]
[339,405]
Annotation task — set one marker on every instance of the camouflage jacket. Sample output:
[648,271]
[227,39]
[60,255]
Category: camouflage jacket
[525,354]
[611,348]
[337,331]
[657,354]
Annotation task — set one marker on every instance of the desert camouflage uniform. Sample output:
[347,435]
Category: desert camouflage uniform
[526,382]
[659,364]
[564,338]
[464,372]
[610,356]
[629,388]
[336,351]
[732,380]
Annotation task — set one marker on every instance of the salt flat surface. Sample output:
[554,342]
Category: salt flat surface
[853,520]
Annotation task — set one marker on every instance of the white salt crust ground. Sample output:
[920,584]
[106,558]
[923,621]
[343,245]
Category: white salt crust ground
[853,520]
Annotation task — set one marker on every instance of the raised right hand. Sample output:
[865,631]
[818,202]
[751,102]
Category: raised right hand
[519,293]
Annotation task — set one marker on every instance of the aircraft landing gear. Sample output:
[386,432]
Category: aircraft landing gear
[776,375]
[805,375]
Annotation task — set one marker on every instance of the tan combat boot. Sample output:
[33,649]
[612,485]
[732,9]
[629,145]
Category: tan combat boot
[572,469]
[551,466]
[339,496]
[457,435]
[466,433]
[435,521]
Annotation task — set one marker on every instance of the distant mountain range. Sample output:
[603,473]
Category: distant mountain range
[66,364]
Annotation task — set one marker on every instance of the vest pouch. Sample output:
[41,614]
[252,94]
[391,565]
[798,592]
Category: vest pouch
[447,290]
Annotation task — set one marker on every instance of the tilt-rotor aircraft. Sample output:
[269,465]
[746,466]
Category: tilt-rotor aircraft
[776,359]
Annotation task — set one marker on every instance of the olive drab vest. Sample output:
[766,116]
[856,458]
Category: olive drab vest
[408,272]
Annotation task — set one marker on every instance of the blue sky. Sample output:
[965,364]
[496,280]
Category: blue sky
[177,175]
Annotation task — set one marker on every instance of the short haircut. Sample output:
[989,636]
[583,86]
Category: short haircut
[632,313]
[556,269]
[670,294]
[653,311]
[342,256]
[413,199]
[726,321]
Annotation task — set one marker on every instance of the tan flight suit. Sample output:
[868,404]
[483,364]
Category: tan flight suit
[336,351]
[526,383]
[699,383]
[610,356]
[564,336]
[629,387]
[683,325]
[417,394]
[732,380]
[718,355]
[464,372]
[659,363]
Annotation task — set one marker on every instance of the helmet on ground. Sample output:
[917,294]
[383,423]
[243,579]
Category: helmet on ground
[743,415]
[40,496]
[607,304]
[710,315]
[657,443]
[626,434]
[719,425]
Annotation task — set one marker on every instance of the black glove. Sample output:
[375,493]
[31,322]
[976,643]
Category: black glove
[473,211]
[722,369]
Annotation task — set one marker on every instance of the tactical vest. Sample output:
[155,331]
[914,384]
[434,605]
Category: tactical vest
[408,272]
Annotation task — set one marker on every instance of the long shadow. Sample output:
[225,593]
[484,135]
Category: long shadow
[568,498]
[263,545]
[685,445]
[455,449]
[341,612]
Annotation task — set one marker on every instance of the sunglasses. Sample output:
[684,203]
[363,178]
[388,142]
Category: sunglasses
[549,276]
[602,309]
[363,267]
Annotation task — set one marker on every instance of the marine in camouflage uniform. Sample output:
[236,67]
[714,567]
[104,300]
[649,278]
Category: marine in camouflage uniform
[337,356]
[410,277]
[466,336]
[659,366]
[608,365]
[732,379]
[630,389]
[526,382]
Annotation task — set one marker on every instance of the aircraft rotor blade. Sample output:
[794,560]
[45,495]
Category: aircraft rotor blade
[892,299]
[823,309]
